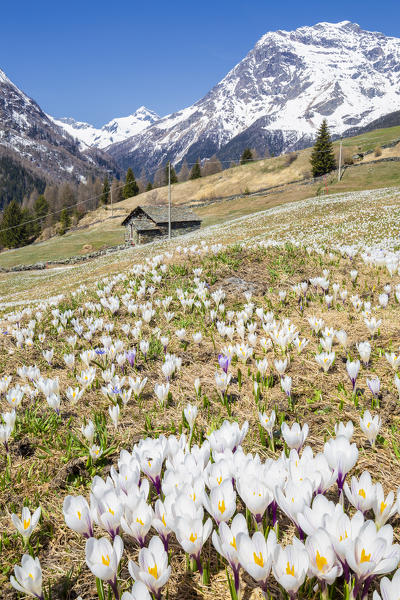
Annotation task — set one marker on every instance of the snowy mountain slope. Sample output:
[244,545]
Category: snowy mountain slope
[115,131]
[28,133]
[279,94]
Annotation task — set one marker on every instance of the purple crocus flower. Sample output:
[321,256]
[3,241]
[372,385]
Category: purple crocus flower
[131,356]
[224,362]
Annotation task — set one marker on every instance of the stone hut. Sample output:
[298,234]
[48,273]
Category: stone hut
[146,223]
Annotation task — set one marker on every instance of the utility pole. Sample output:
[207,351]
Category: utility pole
[169,200]
[340,161]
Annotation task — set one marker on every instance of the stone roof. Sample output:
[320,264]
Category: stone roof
[143,224]
[159,214]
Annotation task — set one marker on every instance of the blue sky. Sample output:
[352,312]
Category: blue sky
[98,60]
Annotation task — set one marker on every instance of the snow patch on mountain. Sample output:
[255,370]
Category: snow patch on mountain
[115,131]
[282,89]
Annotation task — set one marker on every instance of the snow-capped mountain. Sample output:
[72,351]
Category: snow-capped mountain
[277,96]
[115,131]
[29,135]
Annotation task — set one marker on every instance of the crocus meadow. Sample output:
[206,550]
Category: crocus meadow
[214,420]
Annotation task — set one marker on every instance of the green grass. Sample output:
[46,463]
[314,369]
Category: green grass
[372,139]
[64,246]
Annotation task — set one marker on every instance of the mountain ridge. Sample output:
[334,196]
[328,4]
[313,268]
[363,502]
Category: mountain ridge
[288,82]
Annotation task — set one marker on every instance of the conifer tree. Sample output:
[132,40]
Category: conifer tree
[174,178]
[195,173]
[105,194]
[40,210]
[247,156]
[12,228]
[149,186]
[65,221]
[131,188]
[322,157]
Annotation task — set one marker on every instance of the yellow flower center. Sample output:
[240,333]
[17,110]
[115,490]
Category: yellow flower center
[111,511]
[259,560]
[233,543]
[139,521]
[79,515]
[27,523]
[365,557]
[193,538]
[383,506]
[362,493]
[368,425]
[219,480]
[343,537]
[153,571]
[105,560]
[30,575]
[321,561]
[221,506]
[289,569]
[163,520]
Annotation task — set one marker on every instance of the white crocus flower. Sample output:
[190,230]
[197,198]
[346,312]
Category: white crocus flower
[389,589]
[346,430]
[385,508]
[361,494]
[393,360]
[325,360]
[225,541]
[192,534]
[341,456]
[95,452]
[294,436]
[78,515]
[161,391]
[103,559]
[323,564]
[114,412]
[221,504]
[9,418]
[290,566]
[312,518]
[372,324]
[190,412]
[281,366]
[153,569]
[372,552]
[27,523]
[137,521]
[88,431]
[28,577]
[353,368]
[5,434]
[255,494]
[69,360]
[364,350]
[138,592]
[255,555]
[222,381]
[267,422]
[48,355]
[370,426]
[74,394]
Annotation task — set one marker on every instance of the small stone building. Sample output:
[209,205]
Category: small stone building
[146,223]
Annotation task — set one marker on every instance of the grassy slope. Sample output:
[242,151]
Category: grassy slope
[238,180]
